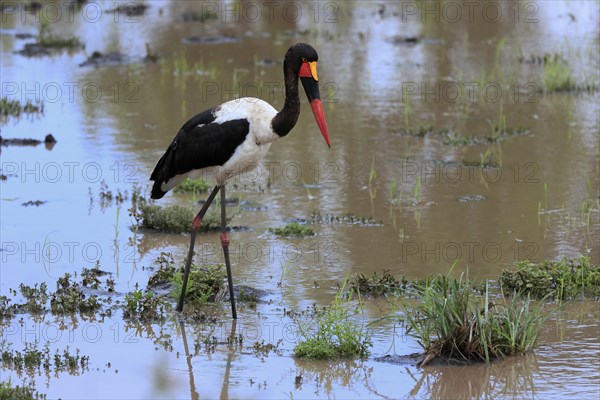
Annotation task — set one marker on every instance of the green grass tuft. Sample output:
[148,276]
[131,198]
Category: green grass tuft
[454,323]
[334,332]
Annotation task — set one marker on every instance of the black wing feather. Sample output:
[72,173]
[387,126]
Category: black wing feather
[196,147]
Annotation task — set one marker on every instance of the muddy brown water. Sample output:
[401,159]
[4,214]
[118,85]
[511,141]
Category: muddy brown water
[383,67]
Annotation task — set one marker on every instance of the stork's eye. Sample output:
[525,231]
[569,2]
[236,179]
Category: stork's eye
[304,59]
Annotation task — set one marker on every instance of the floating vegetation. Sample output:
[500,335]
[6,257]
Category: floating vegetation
[348,218]
[7,391]
[91,276]
[192,186]
[69,298]
[175,219]
[143,306]
[14,108]
[561,280]
[165,272]
[454,324]
[293,229]
[334,332]
[32,361]
[204,284]
[377,285]
[35,298]
[454,138]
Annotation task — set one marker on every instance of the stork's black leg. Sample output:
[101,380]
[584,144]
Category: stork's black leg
[225,244]
[188,262]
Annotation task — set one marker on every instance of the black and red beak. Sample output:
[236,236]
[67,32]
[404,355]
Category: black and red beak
[310,82]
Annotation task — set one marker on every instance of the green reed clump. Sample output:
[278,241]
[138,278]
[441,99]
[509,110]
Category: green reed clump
[293,229]
[454,323]
[564,279]
[334,332]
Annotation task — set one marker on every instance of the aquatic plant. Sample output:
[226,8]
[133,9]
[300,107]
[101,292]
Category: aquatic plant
[8,391]
[563,279]
[293,229]
[453,323]
[35,297]
[377,285]
[15,108]
[204,283]
[143,306]
[558,76]
[69,298]
[334,332]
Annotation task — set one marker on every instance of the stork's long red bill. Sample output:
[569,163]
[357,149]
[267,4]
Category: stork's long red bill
[317,109]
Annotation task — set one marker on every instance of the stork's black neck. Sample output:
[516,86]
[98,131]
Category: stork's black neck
[285,119]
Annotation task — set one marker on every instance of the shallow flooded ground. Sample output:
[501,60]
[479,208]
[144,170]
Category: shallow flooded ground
[461,133]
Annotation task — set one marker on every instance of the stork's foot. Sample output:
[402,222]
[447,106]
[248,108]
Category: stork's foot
[196,223]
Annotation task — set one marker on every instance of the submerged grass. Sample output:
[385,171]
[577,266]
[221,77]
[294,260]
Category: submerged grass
[334,332]
[453,323]
[562,280]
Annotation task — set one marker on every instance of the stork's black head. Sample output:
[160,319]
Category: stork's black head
[302,58]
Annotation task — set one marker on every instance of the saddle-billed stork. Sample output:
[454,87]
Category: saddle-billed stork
[232,138]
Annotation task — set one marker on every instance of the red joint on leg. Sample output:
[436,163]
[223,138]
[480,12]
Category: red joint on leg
[196,223]
[225,239]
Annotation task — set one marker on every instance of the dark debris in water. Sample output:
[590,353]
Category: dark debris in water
[215,39]
[36,203]
[98,59]
[540,60]
[129,9]
[49,139]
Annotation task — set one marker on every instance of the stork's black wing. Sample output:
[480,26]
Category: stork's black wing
[200,143]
